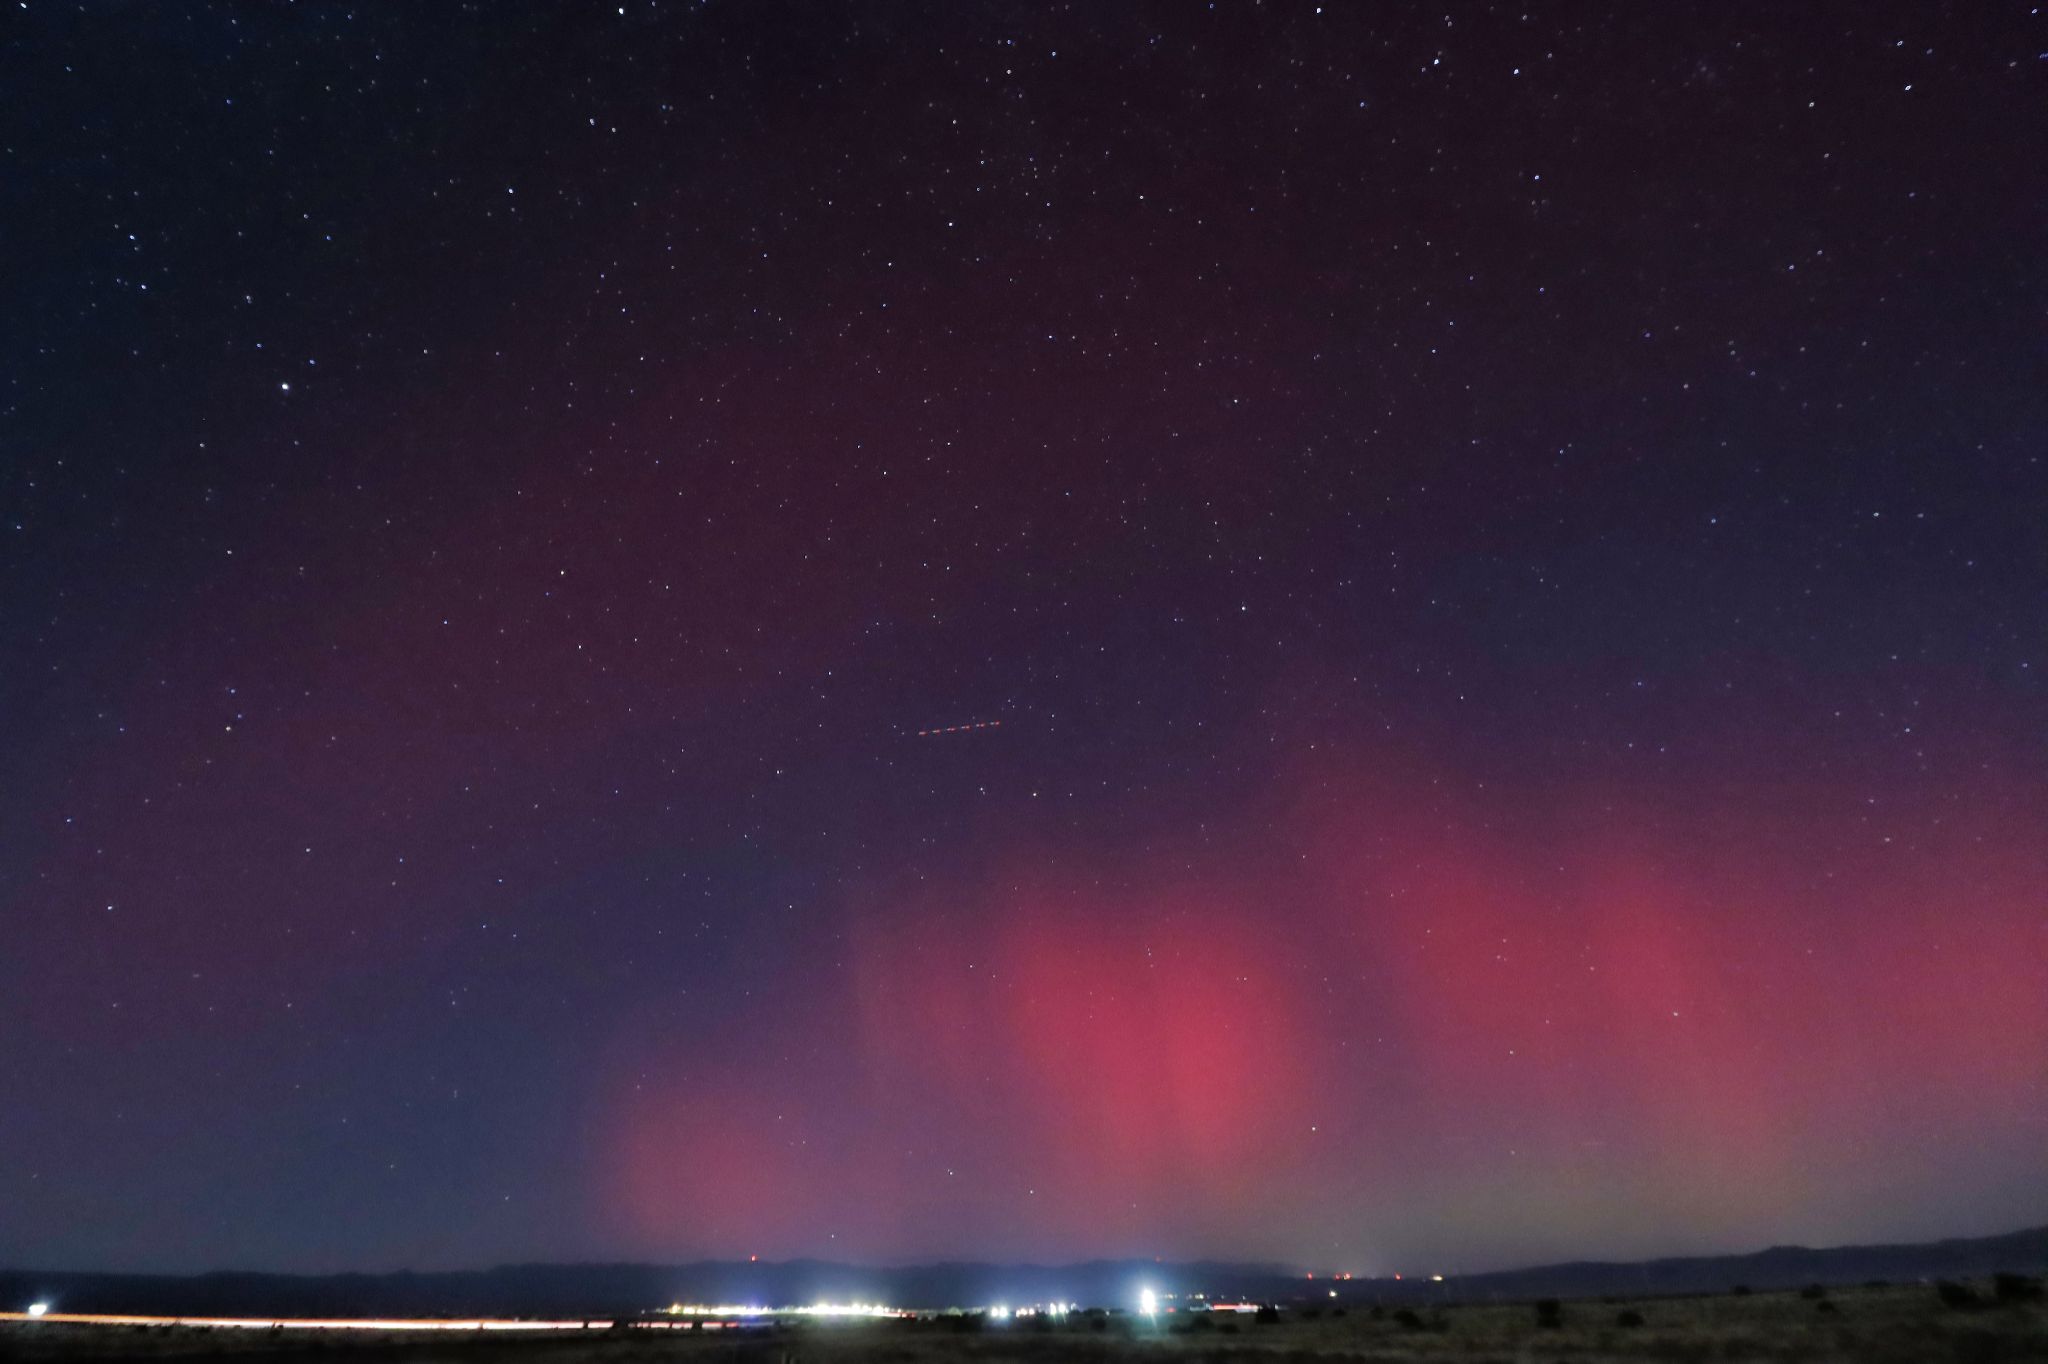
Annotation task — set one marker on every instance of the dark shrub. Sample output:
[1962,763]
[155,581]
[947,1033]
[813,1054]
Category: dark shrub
[1961,1297]
[1549,1313]
[1407,1320]
[1813,1292]
[1740,1290]
[1377,1313]
[1267,1314]
[1311,1313]
[2015,1288]
[1098,1323]
[1338,1312]
[1629,1318]
[1228,1328]
[1877,1283]
[1825,1306]
[1204,1321]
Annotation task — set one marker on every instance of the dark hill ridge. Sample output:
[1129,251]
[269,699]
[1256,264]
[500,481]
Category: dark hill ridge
[606,1289]
[1778,1267]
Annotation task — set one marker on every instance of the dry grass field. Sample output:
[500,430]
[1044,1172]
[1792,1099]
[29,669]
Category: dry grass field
[1908,1324]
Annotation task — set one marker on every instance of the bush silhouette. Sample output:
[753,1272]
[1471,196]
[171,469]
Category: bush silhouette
[1961,1297]
[1549,1314]
[2015,1288]
[1407,1320]
[1266,1314]
[1825,1306]
[1813,1291]
[1740,1290]
[1629,1318]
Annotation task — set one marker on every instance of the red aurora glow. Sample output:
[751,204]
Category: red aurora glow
[1130,1055]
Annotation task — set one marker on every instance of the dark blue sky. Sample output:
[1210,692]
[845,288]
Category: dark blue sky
[1506,544]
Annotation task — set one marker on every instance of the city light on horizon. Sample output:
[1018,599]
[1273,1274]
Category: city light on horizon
[822,1310]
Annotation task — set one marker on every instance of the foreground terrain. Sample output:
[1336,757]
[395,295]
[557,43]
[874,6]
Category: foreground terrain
[1878,1323]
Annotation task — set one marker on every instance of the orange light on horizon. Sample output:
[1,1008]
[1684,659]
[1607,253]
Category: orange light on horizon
[313,1323]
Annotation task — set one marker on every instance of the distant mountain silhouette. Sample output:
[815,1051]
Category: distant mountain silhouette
[576,1290]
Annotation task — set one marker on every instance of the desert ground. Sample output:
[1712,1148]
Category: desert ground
[1906,1324]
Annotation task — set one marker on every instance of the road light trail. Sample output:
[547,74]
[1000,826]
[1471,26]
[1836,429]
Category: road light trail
[311,1323]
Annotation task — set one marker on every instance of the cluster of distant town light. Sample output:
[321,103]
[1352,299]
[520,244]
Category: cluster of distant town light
[827,1310]
[842,1311]
[1150,1303]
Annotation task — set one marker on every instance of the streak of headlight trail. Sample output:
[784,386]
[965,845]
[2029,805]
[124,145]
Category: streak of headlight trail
[324,1323]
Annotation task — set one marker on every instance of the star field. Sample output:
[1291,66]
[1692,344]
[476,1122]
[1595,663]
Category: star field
[1496,553]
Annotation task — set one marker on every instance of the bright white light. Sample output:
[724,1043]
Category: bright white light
[816,1309]
[1148,1302]
[38,1309]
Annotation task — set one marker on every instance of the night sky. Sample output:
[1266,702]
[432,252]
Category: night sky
[1508,546]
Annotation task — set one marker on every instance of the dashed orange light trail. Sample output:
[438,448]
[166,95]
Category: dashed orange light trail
[960,729]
